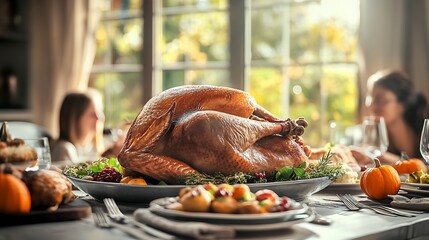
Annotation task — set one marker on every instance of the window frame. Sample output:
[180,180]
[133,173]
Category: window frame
[238,65]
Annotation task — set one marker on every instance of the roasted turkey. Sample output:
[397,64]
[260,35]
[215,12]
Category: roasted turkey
[48,189]
[195,129]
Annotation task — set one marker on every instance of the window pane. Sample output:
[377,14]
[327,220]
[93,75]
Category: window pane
[305,37]
[340,27]
[199,37]
[125,5]
[340,85]
[195,3]
[104,5]
[102,45]
[309,32]
[267,31]
[122,94]
[264,87]
[305,101]
[210,77]
[126,41]
[172,78]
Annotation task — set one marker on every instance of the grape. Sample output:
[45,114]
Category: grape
[222,192]
[108,175]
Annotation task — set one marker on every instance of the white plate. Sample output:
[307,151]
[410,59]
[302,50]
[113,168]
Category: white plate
[342,188]
[297,190]
[305,217]
[301,212]
[418,185]
[416,191]
[157,206]
[269,226]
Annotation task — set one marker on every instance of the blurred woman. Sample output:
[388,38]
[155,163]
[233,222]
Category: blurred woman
[81,124]
[392,96]
[113,150]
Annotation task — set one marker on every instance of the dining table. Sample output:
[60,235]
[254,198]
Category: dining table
[346,224]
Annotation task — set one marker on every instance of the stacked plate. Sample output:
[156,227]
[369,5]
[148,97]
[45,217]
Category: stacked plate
[420,189]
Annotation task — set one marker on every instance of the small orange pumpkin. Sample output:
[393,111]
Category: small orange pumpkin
[15,196]
[409,166]
[380,181]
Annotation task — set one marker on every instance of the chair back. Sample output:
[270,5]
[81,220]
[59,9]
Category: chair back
[26,130]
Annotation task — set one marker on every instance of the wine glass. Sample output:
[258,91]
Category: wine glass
[374,136]
[424,141]
[41,146]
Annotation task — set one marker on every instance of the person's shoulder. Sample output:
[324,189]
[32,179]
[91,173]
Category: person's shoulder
[63,149]
[62,144]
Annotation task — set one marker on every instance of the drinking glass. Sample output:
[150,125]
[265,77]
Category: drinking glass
[41,146]
[424,141]
[374,136]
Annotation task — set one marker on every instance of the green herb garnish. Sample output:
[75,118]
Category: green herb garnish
[290,173]
[217,178]
[323,168]
[90,168]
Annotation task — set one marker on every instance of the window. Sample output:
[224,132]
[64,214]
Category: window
[297,58]
[306,61]
[117,65]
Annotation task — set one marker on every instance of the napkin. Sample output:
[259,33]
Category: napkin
[413,203]
[195,230]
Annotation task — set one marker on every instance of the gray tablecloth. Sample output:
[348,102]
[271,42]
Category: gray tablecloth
[347,225]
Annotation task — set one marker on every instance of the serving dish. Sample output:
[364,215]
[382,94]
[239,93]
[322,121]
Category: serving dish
[342,188]
[297,190]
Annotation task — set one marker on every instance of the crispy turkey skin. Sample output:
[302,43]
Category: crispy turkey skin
[199,128]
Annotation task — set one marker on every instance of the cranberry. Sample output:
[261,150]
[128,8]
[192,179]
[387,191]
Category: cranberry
[260,176]
[108,175]
[285,204]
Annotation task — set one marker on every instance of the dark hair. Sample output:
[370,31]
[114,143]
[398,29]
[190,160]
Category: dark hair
[415,103]
[72,109]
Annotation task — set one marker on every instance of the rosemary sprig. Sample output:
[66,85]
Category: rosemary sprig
[324,168]
[217,178]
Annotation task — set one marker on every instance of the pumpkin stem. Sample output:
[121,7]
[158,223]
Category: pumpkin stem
[377,162]
[4,134]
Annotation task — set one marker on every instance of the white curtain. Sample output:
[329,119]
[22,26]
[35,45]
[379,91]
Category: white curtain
[62,52]
[394,34]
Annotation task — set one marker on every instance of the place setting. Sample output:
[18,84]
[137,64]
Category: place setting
[198,214]
[417,182]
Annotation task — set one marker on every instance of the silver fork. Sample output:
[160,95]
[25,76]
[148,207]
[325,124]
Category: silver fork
[381,207]
[354,207]
[114,211]
[116,214]
[347,203]
[102,221]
